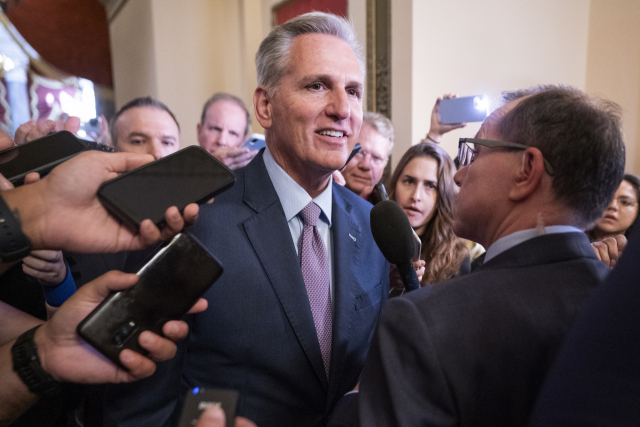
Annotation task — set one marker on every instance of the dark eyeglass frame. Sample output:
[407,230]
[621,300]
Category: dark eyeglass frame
[464,150]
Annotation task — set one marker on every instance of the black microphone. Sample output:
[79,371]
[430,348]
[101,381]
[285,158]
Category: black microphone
[392,232]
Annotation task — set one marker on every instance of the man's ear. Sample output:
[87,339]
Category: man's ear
[262,107]
[198,128]
[529,175]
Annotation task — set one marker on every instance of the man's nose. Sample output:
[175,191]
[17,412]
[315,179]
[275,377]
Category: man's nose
[459,176]
[365,161]
[222,139]
[339,106]
[157,150]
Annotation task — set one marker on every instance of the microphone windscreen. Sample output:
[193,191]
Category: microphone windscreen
[392,232]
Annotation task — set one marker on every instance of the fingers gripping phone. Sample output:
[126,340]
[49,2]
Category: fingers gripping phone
[191,175]
[169,284]
[40,155]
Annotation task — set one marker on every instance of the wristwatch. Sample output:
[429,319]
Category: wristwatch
[26,364]
[14,245]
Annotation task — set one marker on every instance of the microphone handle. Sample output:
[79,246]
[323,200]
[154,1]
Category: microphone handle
[408,276]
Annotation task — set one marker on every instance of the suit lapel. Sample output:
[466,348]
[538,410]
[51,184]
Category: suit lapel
[346,243]
[270,237]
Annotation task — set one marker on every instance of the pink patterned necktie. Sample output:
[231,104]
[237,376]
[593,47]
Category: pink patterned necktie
[315,272]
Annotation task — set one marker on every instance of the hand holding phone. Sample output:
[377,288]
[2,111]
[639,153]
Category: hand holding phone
[191,175]
[199,399]
[40,155]
[168,286]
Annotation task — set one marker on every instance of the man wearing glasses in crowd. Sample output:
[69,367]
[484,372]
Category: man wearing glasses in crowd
[474,351]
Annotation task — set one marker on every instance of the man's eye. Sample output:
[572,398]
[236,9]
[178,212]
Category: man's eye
[136,141]
[354,92]
[316,86]
[170,143]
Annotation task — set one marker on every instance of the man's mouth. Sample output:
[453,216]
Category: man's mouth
[333,133]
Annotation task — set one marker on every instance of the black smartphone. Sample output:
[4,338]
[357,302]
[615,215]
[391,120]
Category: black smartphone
[464,110]
[191,175]
[40,155]
[169,284]
[255,142]
[379,194]
[200,399]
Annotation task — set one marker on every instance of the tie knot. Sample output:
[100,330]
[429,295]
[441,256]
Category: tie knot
[310,214]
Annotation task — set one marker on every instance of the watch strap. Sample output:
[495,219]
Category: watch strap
[14,244]
[26,363]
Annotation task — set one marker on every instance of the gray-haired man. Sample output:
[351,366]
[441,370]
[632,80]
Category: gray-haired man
[289,322]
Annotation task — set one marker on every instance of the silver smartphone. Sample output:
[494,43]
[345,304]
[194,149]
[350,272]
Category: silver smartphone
[418,247]
[464,110]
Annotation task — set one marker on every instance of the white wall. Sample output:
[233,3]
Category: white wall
[183,52]
[469,47]
[133,53]
[613,65]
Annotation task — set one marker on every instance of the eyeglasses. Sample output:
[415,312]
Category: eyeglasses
[625,202]
[467,152]
[375,160]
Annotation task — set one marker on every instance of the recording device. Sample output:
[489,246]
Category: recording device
[40,155]
[464,110]
[168,286]
[394,236]
[356,149]
[199,399]
[378,194]
[191,175]
[256,142]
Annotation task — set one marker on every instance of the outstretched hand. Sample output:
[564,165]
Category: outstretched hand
[438,128]
[66,357]
[62,211]
[33,130]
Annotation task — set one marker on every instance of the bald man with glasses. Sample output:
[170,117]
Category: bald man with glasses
[474,350]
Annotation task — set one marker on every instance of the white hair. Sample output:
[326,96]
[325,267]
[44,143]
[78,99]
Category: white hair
[273,55]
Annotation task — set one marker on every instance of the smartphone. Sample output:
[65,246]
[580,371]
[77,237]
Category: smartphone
[168,286]
[256,142]
[417,251]
[40,155]
[464,110]
[379,194]
[191,175]
[199,399]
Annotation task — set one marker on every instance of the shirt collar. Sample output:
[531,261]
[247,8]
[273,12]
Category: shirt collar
[293,197]
[513,239]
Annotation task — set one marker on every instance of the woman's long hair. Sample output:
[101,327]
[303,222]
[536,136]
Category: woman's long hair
[442,250]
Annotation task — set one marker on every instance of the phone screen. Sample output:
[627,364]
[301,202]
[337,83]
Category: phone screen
[464,110]
[40,155]
[169,284]
[189,176]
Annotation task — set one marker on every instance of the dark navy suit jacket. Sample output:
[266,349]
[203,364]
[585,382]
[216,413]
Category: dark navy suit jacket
[258,335]
[474,350]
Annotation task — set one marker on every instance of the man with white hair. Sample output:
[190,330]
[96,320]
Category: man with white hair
[289,322]
[366,168]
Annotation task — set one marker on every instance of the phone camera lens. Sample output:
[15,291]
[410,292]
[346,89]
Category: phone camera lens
[124,332]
